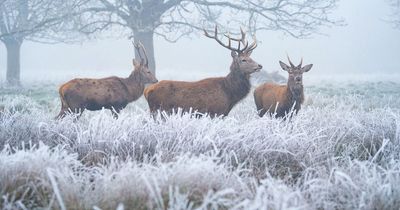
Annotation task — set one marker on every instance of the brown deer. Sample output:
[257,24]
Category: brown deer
[281,99]
[213,96]
[112,93]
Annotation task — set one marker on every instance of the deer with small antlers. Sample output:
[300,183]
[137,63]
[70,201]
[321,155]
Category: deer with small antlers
[279,100]
[112,93]
[213,96]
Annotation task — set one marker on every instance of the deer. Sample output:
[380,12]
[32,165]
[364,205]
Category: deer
[280,100]
[113,93]
[212,96]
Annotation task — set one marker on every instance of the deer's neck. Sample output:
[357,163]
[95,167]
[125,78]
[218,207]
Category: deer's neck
[295,95]
[237,85]
[134,86]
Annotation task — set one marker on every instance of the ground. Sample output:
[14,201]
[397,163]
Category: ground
[342,151]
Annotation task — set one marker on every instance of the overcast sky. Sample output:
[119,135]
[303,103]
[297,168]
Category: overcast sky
[367,44]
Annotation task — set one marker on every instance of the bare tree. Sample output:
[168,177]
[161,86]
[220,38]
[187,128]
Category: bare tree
[34,20]
[173,19]
[396,13]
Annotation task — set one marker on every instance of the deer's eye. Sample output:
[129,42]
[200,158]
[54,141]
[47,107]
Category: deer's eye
[244,61]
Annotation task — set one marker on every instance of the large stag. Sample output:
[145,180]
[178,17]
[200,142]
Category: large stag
[281,99]
[112,93]
[214,96]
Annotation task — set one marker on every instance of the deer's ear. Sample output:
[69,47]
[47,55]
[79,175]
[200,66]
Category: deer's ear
[135,63]
[284,66]
[234,54]
[307,68]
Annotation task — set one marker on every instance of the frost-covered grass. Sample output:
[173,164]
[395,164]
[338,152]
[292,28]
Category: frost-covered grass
[342,151]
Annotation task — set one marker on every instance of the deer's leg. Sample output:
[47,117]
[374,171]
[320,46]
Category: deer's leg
[262,112]
[65,111]
[77,112]
[64,108]
[62,113]
[154,111]
[153,114]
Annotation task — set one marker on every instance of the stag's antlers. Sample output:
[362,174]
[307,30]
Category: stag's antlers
[292,65]
[290,62]
[242,40]
[301,63]
[139,46]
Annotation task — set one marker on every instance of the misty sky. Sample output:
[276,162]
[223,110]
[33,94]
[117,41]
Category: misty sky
[367,44]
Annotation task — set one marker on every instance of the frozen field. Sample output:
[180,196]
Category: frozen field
[342,151]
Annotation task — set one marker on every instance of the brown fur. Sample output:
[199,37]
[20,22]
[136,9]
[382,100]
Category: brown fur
[273,98]
[112,93]
[215,96]
[282,99]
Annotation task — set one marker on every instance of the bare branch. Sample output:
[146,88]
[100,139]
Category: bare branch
[38,20]
[395,17]
[173,19]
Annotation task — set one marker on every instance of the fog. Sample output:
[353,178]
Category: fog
[367,44]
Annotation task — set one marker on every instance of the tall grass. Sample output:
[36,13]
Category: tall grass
[340,152]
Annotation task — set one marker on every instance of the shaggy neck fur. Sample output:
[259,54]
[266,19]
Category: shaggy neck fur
[237,85]
[134,85]
[295,95]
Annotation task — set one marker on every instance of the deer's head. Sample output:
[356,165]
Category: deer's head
[142,71]
[295,80]
[241,56]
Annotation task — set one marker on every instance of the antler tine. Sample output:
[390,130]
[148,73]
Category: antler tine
[208,35]
[253,45]
[243,36]
[246,46]
[215,37]
[241,40]
[229,41]
[301,63]
[145,53]
[137,47]
[290,62]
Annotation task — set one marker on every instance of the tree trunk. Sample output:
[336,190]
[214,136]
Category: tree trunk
[13,62]
[147,39]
